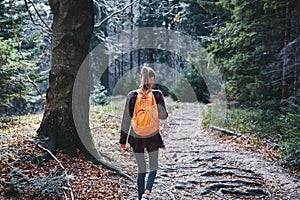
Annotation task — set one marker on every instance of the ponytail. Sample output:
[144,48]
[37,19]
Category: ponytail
[146,73]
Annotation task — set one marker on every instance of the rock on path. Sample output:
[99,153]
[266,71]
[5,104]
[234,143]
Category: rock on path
[195,166]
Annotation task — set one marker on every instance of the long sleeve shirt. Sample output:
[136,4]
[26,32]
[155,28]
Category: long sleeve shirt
[128,133]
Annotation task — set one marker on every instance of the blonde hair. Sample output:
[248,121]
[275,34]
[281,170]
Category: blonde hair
[146,73]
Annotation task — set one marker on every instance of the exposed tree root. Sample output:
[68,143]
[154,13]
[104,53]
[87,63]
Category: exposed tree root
[94,160]
[212,158]
[232,189]
[247,191]
[239,181]
[113,168]
[235,181]
[217,186]
[235,168]
[217,173]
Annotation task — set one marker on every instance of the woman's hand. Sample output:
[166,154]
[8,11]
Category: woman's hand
[122,146]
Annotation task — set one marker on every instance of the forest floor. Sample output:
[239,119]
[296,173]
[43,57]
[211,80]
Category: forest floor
[196,164]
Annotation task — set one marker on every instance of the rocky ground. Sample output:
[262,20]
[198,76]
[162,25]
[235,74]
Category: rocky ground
[195,165]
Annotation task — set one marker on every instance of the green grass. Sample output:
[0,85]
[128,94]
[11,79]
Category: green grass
[243,120]
[279,127]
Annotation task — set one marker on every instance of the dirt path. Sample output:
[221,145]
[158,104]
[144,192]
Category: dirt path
[195,166]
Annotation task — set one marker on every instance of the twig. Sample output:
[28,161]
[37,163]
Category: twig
[170,10]
[59,163]
[114,13]
[19,173]
[38,14]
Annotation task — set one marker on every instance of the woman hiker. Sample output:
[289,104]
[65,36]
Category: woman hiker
[140,126]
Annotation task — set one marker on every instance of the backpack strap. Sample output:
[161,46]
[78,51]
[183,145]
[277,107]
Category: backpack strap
[163,114]
[134,96]
[132,101]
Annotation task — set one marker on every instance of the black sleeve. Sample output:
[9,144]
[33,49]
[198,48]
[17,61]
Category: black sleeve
[127,114]
[160,101]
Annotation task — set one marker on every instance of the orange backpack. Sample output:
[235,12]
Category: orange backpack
[145,119]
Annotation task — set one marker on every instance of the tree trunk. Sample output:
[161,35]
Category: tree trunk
[287,35]
[73,23]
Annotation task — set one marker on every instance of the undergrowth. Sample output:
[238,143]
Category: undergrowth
[279,128]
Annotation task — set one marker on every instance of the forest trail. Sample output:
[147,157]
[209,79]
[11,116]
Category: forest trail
[195,166]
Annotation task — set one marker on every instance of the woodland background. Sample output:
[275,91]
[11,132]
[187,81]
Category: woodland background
[254,44]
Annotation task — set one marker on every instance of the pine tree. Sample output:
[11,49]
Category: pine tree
[247,46]
[20,46]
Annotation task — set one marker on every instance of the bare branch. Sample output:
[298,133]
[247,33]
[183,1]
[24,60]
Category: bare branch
[38,14]
[113,14]
[31,17]
[59,163]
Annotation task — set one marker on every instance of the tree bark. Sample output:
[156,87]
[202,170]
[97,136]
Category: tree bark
[73,23]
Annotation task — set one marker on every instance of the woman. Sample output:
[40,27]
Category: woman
[139,142]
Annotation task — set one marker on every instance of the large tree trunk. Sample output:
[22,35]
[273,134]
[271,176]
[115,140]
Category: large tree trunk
[73,23]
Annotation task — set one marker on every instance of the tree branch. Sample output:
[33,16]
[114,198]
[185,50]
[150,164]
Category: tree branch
[114,13]
[59,163]
[38,14]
